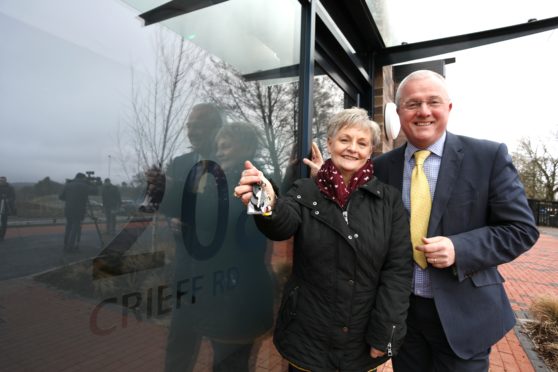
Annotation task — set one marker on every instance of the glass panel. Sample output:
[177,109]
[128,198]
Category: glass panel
[163,267]
[328,100]
[414,21]
[251,35]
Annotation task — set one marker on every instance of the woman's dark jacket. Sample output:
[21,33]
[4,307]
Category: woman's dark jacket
[350,286]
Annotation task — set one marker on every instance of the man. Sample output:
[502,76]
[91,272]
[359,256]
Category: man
[478,219]
[7,198]
[202,125]
[111,202]
[75,195]
[185,180]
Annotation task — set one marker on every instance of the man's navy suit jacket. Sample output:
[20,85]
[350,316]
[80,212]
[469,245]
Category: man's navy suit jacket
[480,204]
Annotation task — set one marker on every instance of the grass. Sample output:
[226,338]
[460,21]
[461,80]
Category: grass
[543,329]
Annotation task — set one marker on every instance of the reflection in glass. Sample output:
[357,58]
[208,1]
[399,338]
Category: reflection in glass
[7,204]
[223,287]
[251,35]
[119,287]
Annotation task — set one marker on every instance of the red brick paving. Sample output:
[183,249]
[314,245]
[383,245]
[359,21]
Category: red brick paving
[532,275]
[43,329]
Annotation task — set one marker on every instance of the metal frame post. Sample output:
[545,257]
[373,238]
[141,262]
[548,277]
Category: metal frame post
[306,80]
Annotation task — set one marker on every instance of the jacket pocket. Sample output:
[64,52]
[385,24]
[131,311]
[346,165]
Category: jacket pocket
[487,277]
[287,311]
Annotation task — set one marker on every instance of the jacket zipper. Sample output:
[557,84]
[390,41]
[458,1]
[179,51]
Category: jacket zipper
[389,350]
[293,296]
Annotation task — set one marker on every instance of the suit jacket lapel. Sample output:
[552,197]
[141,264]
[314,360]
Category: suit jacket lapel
[447,178]
[395,171]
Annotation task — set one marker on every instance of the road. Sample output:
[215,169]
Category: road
[28,250]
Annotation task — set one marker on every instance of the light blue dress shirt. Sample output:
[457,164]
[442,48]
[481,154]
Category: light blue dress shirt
[422,285]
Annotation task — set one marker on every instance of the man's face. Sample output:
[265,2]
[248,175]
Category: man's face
[201,132]
[423,110]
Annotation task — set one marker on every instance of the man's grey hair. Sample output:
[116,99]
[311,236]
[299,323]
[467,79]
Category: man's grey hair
[420,74]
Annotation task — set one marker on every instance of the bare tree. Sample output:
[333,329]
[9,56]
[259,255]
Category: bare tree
[161,102]
[268,106]
[272,107]
[328,100]
[538,168]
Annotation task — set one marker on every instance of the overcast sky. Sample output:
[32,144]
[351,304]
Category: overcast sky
[65,85]
[505,91]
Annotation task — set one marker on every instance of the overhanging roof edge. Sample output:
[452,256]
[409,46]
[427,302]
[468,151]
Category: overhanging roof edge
[414,51]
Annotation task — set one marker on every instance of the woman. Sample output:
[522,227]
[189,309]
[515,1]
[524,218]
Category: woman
[344,306]
[221,246]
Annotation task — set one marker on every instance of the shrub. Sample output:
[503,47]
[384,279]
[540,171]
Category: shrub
[543,329]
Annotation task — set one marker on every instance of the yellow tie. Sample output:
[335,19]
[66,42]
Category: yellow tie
[421,202]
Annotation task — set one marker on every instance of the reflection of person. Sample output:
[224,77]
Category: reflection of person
[479,219]
[7,198]
[220,250]
[75,195]
[202,125]
[111,202]
[345,304]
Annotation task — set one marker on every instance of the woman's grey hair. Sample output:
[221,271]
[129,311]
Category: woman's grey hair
[240,132]
[353,117]
[417,75]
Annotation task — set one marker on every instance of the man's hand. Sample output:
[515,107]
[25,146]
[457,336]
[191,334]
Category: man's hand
[155,190]
[316,161]
[439,251]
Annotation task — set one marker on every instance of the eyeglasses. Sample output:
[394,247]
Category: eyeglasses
[415,105]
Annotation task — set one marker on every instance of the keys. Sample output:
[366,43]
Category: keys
[260,202]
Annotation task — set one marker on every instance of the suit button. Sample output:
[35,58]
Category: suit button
[345,329]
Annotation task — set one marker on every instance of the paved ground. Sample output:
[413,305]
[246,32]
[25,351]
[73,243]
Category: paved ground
[45,329]
[532,275]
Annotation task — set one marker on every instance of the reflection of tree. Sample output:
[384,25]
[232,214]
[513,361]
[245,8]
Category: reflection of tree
[269,107]
[274,108]
[160,103]
[538,169]
[328,100]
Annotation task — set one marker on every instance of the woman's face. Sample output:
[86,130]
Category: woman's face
[350,148]
[231,154]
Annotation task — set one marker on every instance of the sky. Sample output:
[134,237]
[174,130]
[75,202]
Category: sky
[505,91]
[65,77]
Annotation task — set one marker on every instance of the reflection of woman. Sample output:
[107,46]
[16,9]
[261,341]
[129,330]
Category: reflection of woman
[344,306]
[233,304]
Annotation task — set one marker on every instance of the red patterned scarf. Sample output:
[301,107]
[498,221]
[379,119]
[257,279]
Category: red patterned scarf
[331,184]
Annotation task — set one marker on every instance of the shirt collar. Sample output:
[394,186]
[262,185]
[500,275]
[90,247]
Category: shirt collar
[435,148]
